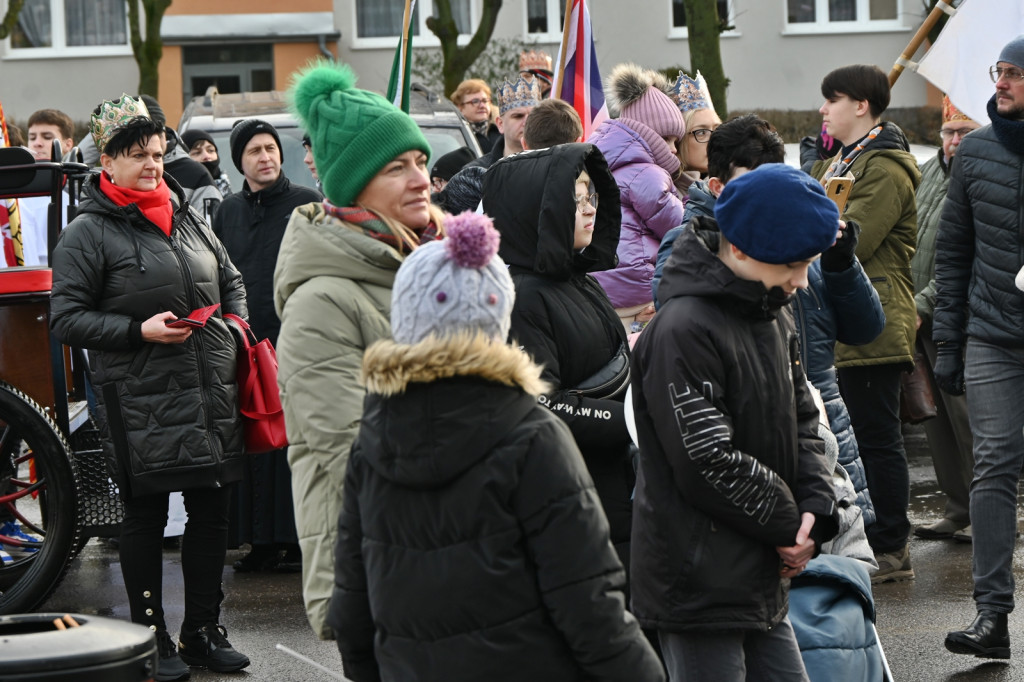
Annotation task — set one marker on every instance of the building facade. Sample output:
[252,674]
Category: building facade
[775,53]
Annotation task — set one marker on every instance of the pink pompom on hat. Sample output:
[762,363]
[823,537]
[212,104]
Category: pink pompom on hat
[457,284]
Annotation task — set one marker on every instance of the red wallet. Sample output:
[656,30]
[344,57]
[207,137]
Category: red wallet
[196,318]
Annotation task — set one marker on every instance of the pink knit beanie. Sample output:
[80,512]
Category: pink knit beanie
[659,113]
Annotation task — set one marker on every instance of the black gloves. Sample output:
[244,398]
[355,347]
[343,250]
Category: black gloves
[949,368]
[840,256]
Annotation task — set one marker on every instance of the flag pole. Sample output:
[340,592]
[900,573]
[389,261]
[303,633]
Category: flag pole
[556,87]
[922,33]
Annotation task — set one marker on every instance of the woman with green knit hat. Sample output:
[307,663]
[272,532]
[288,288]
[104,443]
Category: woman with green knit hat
[332,291]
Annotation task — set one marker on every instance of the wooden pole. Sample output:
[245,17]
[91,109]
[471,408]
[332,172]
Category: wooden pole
[915,42]
[556,87]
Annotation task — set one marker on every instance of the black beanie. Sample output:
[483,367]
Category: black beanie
[451,163]
[156,113]
[190,137]
[243,131]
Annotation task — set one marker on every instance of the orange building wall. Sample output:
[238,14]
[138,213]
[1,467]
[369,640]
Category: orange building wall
[290,57]
[248,6]
[171,84]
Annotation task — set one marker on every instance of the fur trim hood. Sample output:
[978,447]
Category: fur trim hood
[436,408]
[389,367]
[628,82]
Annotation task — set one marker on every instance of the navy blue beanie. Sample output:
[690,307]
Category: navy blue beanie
[777,214]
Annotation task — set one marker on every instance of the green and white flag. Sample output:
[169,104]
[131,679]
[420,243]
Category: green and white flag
[401,68]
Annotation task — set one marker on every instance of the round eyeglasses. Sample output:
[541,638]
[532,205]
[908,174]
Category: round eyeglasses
[584,200]
[1010,73]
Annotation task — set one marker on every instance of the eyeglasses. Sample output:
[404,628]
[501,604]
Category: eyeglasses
[584,200]
[477,101]
[701,135]
[1009,73]
[949,134]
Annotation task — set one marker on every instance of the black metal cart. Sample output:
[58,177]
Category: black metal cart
[53,481]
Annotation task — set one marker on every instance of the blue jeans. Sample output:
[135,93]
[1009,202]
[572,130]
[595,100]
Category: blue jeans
[733,656]
[995,383]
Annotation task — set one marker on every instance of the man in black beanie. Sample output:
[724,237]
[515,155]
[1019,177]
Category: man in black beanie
[251,224]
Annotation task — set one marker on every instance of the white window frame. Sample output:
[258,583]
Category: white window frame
[683,32]
[554,22]
[60,49]
[862,25]
[425,37]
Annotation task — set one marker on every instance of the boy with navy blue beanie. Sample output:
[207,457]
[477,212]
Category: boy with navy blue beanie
[733,494]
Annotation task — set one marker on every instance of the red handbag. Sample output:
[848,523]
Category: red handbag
[258,395]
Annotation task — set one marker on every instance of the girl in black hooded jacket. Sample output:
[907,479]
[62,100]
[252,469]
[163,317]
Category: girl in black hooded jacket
[562,317]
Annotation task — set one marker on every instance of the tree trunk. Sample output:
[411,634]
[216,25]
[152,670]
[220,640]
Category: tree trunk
[457,60]
[11,18]
[704,28]
[149,50]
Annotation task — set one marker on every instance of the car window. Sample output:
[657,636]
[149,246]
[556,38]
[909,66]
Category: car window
[442,141]
[292,152]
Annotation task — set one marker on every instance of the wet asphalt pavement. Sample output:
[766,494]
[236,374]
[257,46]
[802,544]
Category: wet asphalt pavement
[265,609]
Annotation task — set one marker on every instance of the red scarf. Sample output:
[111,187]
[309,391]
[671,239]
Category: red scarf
[155,204]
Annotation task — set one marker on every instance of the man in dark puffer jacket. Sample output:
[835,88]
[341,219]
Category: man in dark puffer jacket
[977,306]
[733,494]
[251,223]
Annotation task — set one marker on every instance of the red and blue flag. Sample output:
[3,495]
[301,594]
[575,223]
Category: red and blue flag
[577,79]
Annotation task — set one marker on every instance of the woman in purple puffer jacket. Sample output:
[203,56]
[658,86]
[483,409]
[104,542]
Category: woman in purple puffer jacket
[640,146]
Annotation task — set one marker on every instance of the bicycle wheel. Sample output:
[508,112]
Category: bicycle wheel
[38,489]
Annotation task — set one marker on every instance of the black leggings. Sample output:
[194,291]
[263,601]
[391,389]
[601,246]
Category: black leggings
[203,548]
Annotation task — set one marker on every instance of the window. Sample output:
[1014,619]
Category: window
[678,27]
[70,28]
[544,19]
[827,16]
[379,22]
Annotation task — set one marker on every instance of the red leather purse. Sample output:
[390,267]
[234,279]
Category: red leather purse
[258,395]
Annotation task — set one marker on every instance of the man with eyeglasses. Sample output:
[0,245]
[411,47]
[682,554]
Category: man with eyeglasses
[977,328]
[949,433]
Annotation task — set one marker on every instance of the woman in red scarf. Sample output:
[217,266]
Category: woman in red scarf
[136,258]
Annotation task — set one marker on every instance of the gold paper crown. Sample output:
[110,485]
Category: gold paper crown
[691,94]
[951,113]
[114,115]
[534,61]
[522,93]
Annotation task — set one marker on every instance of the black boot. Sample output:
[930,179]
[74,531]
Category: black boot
[987,637]
[209,648]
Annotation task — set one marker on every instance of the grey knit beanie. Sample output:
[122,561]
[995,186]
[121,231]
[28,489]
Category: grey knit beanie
[456,284]
[1014,52]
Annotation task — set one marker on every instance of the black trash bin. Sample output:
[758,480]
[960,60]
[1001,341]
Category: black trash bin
[100,650]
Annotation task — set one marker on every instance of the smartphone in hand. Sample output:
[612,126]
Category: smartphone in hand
[196,318]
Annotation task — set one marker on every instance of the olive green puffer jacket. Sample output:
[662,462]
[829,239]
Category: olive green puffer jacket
[883,204]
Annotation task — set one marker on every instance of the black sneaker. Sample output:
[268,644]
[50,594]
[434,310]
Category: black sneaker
[208,647]
[169,667]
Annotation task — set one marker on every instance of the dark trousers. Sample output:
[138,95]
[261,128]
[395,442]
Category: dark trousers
[872,395]
[203,548]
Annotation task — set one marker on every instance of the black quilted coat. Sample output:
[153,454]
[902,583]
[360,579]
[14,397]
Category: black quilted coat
[979,250]
[168,412]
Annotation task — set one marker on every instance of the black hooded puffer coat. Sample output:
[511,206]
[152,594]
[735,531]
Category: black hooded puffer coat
[562,317]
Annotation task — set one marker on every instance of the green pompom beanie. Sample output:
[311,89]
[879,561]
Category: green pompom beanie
[354,133]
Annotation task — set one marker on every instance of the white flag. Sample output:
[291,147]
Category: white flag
[959,61]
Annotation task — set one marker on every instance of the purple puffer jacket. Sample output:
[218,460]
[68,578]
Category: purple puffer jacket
[650,208]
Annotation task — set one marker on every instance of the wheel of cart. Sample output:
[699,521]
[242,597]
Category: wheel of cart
[54,489]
